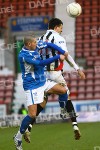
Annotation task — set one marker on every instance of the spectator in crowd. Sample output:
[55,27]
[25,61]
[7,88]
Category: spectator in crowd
[22,110]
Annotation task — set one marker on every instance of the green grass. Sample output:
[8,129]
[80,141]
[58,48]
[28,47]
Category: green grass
[54,137]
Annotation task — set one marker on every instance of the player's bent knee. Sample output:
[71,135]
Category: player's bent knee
[43,104]
[64,91]
[32,115]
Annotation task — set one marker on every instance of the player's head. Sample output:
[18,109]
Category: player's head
[30,42]
[56,24]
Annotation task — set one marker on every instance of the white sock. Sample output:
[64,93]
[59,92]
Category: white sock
[75,127]
[19,136]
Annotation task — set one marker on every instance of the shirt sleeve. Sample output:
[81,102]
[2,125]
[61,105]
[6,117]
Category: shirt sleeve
[61,44]
[51,45]
[49,60]
[72,62]
[32,60]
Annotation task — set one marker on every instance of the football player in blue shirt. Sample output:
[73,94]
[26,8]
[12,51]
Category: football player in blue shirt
[34,81]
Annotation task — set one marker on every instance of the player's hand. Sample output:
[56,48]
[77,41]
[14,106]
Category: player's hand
[81,74]
[41,44]
[66,55]
[62,57]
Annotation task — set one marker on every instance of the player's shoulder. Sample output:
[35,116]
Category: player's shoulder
[56,35]
[24,53]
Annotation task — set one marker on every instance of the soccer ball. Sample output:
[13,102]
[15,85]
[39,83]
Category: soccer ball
[74,9]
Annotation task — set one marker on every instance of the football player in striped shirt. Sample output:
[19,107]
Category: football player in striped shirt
[54,72]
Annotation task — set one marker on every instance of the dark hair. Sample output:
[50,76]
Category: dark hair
[54,22]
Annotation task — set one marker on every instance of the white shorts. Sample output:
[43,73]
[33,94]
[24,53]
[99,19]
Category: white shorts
[57,77]
[36,96]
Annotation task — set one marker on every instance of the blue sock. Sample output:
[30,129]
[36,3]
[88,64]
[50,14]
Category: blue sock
[25,123]
[63,100]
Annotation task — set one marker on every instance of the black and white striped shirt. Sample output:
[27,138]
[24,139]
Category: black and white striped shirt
[53,37]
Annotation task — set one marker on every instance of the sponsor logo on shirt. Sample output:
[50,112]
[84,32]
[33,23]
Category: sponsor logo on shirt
[61,42]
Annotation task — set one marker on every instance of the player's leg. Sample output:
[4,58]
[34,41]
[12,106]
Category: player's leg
[57,77]
[34,97]
[66,104]
[40,107]
[51,88]
[32,109]
[72,114]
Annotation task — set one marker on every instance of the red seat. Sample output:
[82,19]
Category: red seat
[20,6]
[1,101]
[89,82]
[97,82]
[87,28]
[73,96]
[87,11]
[78,46]
[89,61]
[86,36]
[2,78]
[2,94]
[97,75]
[79,20]
[89,89]
[2,88]
[73,89]
[95,3]
[8,94]
[86,53]
[86,3]
[89,95]
[79,37]
[97,63]
[81,83]
[81,96]
[73,83]
[97,88]
[89,75]
[79,54]
[86,45]
[81,89]
[97,95]
[8,100]
[94,53]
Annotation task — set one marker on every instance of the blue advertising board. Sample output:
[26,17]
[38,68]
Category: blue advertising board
[29,23]
[88,106]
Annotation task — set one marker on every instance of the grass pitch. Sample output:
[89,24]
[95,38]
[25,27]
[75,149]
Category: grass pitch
[54,137]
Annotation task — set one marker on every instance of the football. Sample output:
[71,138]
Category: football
[74,9]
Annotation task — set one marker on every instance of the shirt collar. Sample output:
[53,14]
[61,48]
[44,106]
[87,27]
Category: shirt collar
[53,31]
[25,49]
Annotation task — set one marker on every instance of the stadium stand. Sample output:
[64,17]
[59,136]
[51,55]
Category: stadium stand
[87,47]
[24,8]
[6,90]
[85,89]
[87,26]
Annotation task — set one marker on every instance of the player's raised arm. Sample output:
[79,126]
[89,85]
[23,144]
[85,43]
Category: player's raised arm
[33,60]
[72,63]
[42,45]
[68,58]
